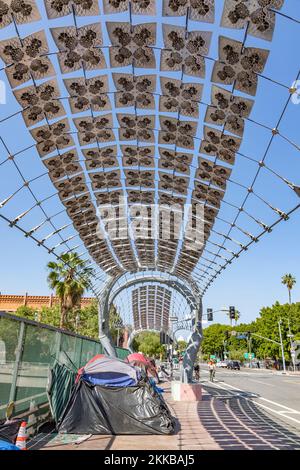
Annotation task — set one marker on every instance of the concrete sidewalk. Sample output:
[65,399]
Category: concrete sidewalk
[189,434]
[219,421]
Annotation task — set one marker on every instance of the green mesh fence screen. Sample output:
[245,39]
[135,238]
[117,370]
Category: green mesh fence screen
[27,352]
[122,353]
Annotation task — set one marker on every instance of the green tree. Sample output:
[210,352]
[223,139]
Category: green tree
[116,326]
[289,281]
[181,346]
[69,277]
[27,312]
[148,342]
[213,339]
[267,326]
[87,324]
[237,354]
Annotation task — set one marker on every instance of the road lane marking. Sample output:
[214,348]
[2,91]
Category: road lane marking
[260,404]
[266,399]
[264,383]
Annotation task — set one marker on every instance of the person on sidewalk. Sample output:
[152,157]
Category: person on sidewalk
[197,372]
[212,370]
[162,372]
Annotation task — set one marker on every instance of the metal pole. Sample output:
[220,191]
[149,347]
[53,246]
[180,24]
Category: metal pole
[291,345]
[18,360]
[281,343]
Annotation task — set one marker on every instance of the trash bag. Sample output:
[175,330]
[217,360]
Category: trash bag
[116,410]
[4,445]
[9,430]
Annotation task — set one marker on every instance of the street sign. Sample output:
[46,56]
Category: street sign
[249,355]
[212,356]
[241,337]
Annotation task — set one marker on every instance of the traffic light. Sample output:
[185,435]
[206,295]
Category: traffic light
[163,339]
[210,316]
[232,313]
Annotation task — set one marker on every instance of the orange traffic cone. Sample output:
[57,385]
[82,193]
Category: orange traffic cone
[22,436]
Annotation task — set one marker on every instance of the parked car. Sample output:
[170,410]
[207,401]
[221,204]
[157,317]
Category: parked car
[222,364]
[233,365]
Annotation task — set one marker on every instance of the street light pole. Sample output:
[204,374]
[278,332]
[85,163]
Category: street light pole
[281,343]
[249,350]
[118,329]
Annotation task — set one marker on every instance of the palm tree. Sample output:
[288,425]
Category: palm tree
[69,277]
[289,281]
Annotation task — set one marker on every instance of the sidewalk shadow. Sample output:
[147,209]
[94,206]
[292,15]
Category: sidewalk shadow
[234,421]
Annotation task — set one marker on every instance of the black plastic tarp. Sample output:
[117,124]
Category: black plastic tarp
[9,430]
[113,410]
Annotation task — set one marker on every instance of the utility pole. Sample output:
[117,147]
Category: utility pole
[249,349]
[281,343]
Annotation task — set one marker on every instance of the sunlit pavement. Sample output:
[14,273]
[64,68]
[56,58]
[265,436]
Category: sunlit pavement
[226,418]
[275,393]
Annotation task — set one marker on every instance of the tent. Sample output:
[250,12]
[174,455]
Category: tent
[108,371]
[110,397]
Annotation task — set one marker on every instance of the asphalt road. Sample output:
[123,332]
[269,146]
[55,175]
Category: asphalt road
[275,393]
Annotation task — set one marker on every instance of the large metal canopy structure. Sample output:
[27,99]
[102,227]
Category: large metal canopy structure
[134,111]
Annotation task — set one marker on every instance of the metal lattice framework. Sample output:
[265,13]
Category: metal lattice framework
[126,109]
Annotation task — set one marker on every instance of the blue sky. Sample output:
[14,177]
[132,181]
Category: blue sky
[252,281]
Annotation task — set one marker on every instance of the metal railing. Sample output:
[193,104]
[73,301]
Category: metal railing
[28,350]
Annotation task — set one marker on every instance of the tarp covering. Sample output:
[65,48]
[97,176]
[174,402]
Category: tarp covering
[60,385]
[138,357]
[9,430]
[115,410]
[109,371]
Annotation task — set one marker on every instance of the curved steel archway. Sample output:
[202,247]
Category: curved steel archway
[191,294]
[237,210]
[193,299]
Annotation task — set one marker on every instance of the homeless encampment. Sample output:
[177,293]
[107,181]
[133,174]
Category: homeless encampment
[113,397]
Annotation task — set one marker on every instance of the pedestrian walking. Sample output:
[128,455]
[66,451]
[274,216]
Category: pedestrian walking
[212,370]
[197,372]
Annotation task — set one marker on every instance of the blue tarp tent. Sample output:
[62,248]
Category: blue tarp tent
[109,372]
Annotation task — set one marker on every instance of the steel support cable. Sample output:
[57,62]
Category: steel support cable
[289,213]
[38,242]
[290,184]
[38,204]
[26,184]
[258,171]
[167,49]
[107,238]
